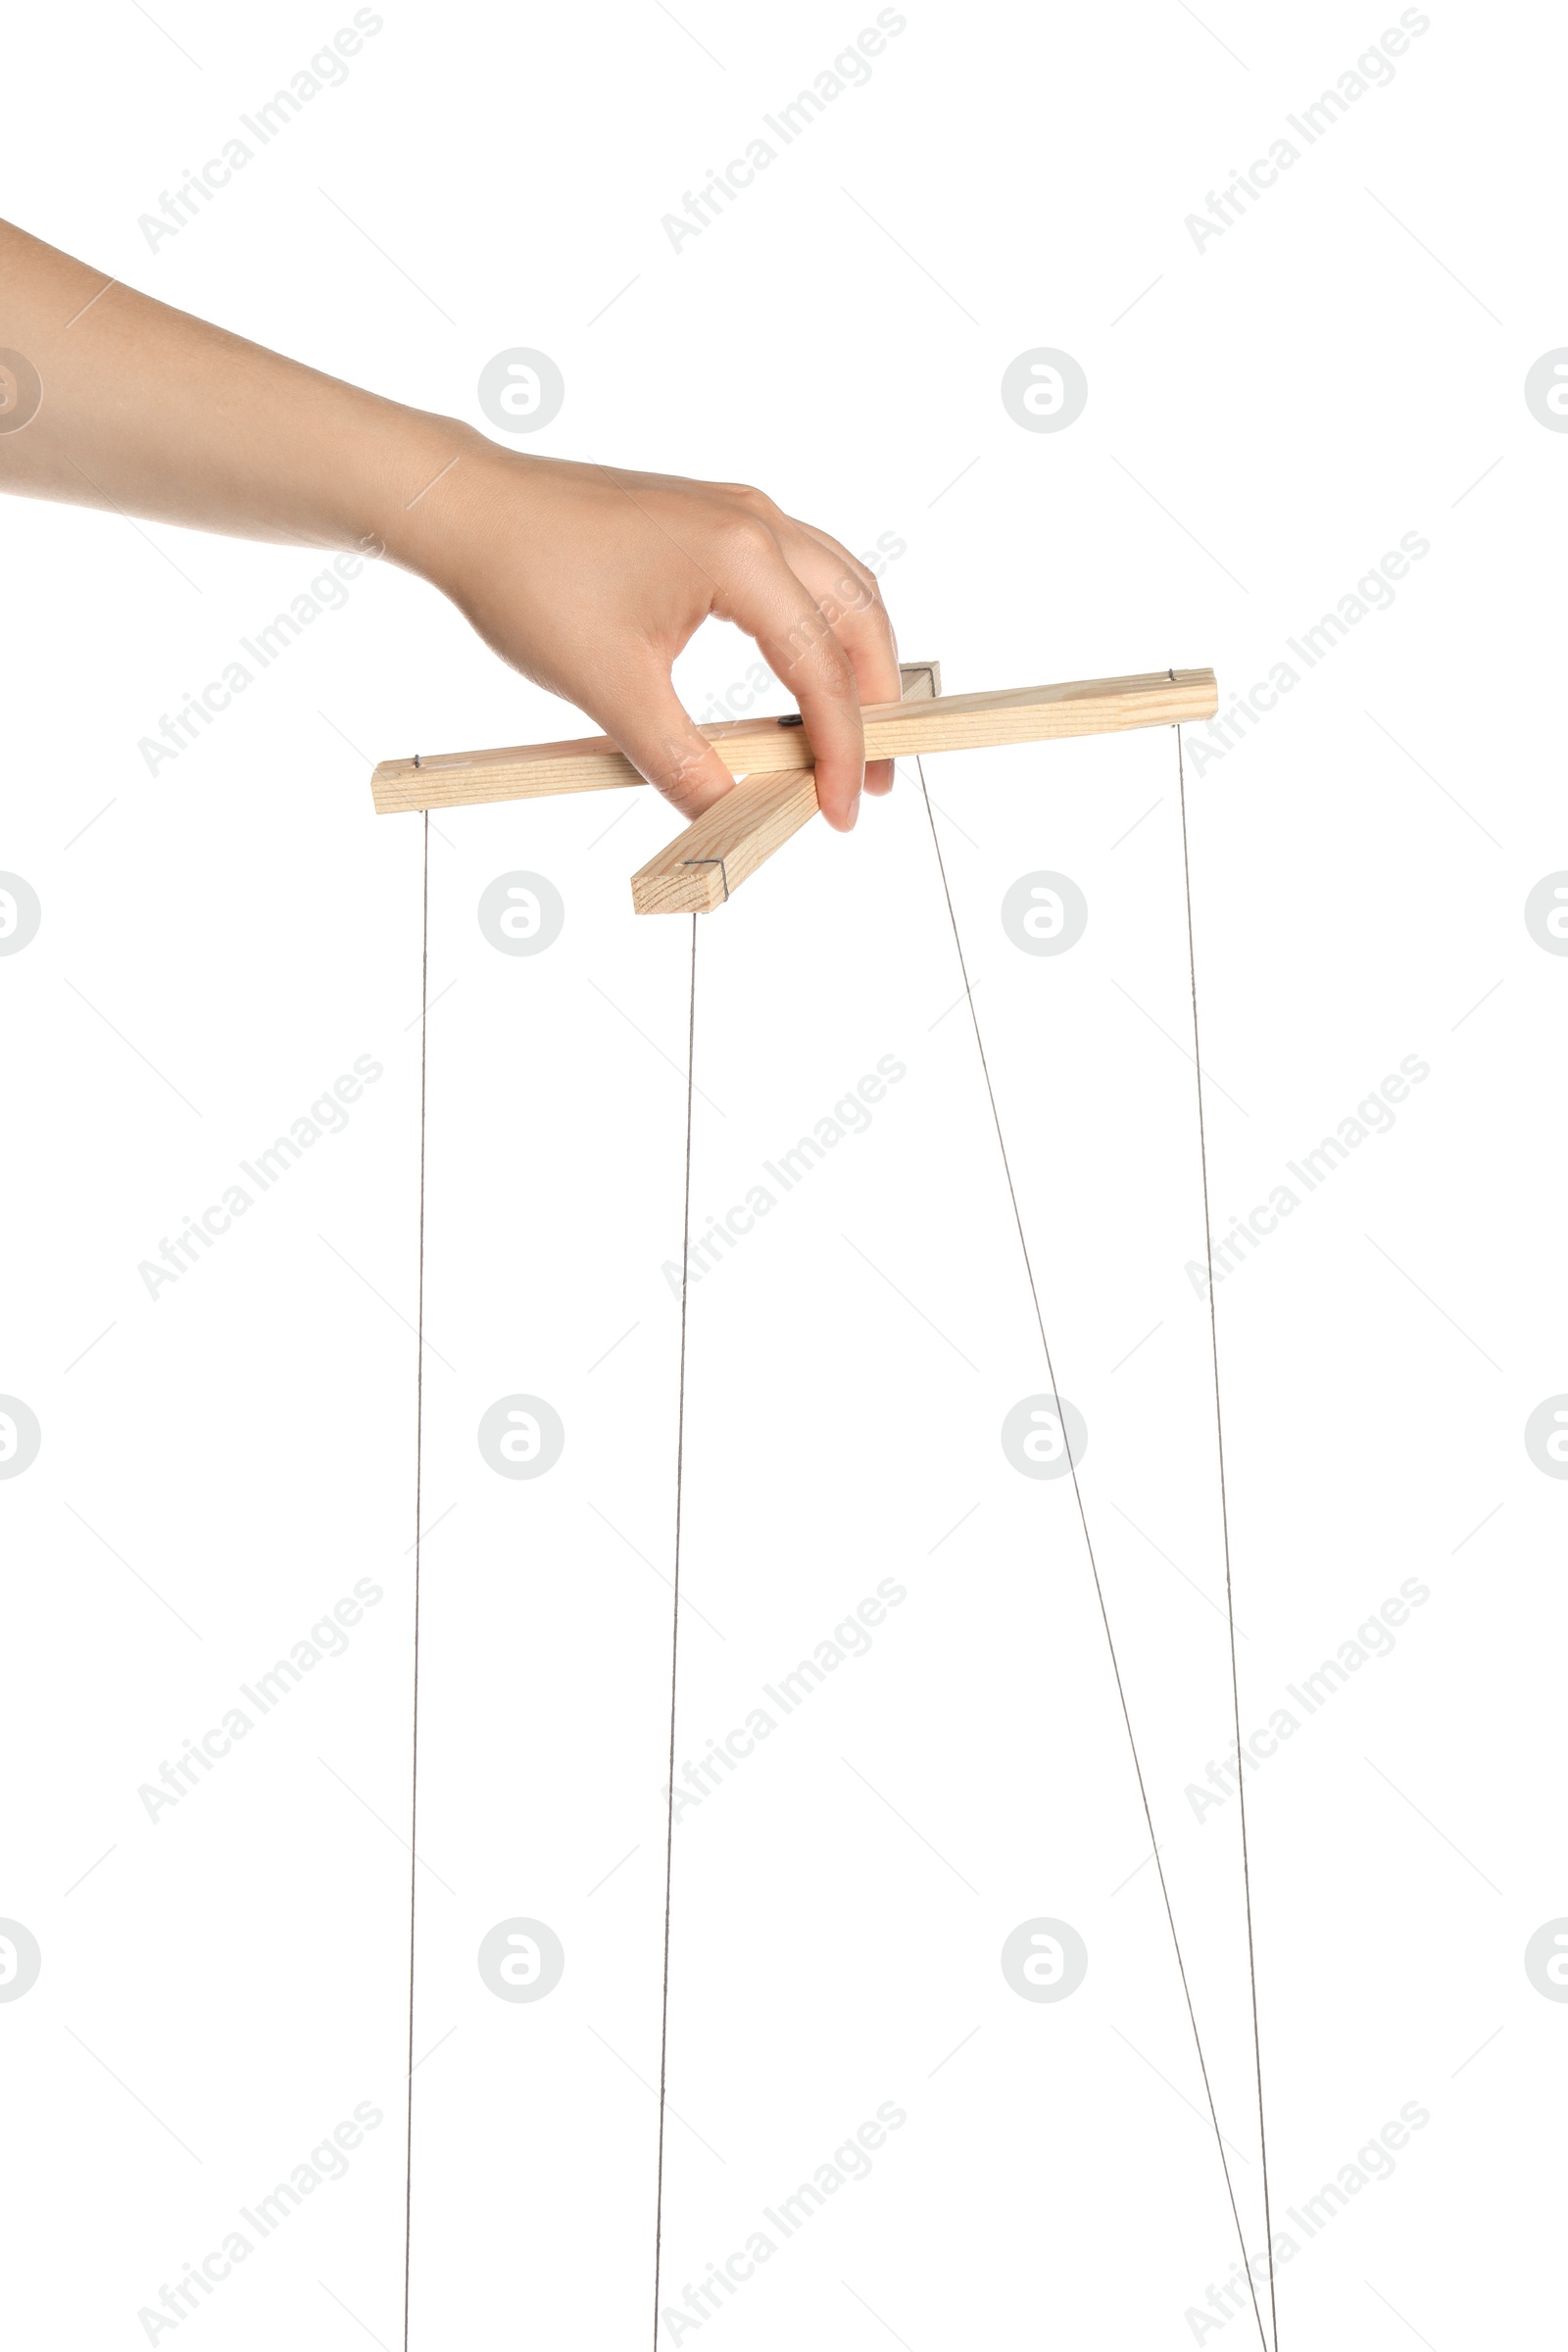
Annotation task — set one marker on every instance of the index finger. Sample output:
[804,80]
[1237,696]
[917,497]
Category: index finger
[765,597]
[849,597]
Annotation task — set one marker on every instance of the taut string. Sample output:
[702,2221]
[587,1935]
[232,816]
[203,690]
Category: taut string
[1225,1531]
[1094,1568]
[674,1635]
[418,1482]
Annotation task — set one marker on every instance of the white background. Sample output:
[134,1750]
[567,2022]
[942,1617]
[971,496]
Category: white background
[1267,415]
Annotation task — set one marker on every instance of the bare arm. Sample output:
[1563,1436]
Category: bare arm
[588,579]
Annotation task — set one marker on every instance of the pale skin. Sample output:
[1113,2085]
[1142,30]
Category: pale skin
[587,579]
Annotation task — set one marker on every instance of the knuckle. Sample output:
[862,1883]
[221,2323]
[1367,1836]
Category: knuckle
[810,637]
[748,495]
[837,668]
[747,540]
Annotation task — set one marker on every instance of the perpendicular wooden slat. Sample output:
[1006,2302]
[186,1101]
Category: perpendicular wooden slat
[707,863]
[731,839]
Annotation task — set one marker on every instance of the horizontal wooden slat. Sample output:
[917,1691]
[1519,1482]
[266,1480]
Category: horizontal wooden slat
[752,746]
[460,779]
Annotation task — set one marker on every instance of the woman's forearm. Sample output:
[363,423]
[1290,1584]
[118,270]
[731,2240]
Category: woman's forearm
[147,411]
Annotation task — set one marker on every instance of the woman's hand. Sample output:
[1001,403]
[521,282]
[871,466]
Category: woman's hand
[591,580]
[588,580]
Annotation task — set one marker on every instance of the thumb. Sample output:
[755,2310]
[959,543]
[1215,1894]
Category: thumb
[648,721]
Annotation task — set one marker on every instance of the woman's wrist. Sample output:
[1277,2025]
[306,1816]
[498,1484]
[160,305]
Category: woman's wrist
[432,483]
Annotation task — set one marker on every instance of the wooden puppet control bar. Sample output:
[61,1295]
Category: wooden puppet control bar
[707,863]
